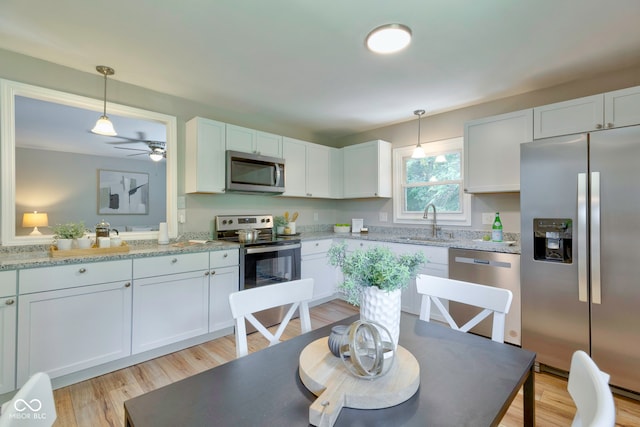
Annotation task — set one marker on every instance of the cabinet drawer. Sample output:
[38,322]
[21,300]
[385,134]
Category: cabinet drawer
[170,264]
[224,258]
[7,283]
[315,246]
[69,276]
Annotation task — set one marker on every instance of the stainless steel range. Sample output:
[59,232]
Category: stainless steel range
[265,259]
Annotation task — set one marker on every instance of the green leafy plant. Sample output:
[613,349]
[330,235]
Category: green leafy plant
[279,221]
[377,266]
[70,230]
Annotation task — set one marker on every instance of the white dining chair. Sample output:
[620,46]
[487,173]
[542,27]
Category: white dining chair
[492,300]
[589,389]
[244,303]
[32,405]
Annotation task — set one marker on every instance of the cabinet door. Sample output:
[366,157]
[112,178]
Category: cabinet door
[268,144]
[367,170]
[295,155]
[622,107]
[241,139]
[317,267]
[168,309]
[7,343]
[318,171]
[205,157]
[64,331]
[492,151]
[336,174]
[222,283]
[569,117]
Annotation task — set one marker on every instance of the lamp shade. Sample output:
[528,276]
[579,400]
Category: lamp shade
[35,219]
[104,127]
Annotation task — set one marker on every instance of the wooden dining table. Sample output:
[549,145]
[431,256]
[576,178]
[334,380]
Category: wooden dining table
[465,380]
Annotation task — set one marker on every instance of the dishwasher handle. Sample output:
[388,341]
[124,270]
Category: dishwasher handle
[477,261]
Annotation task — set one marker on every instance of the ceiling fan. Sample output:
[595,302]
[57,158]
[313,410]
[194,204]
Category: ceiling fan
[156,149]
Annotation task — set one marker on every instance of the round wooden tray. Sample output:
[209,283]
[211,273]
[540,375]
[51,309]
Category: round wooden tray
[326,376]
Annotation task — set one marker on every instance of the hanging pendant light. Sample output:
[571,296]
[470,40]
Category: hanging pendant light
[103,125]
[418,152]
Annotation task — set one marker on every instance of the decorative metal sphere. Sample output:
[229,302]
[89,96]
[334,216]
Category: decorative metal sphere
[367,350]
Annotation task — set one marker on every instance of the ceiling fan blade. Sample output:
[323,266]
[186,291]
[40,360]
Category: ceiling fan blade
[124,142]
[132,149]
[137,154]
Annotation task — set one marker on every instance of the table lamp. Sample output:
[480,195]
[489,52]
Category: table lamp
[35,219]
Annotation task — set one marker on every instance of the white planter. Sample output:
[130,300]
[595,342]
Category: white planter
[83,243]
[64,244]
[382,307]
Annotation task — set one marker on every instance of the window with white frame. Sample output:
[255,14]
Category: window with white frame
[436,178]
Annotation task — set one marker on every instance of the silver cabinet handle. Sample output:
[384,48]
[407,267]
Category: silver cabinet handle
[82,270]
[213,272]
[582,237]
[127,285]
[9,301]
[609,125]
[595,239]
[173,261]
[317,244]
[599,126]
[225,255]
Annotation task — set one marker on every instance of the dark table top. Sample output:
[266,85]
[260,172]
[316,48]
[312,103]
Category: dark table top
[465,380]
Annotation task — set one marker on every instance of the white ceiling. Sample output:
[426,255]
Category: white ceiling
[303,63]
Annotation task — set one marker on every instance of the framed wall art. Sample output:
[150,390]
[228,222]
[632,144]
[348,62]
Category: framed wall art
[124,193]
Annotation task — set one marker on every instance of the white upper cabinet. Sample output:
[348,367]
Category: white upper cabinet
[567,117]
[492,151]
[603,111]
[205,159]
[308,169]
[253,141]
[367,170]
[622,107]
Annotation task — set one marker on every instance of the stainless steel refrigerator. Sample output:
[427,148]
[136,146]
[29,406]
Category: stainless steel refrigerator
[580,261]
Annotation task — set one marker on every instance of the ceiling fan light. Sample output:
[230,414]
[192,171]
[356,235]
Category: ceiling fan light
[104,127]
[156,156]
[389,38]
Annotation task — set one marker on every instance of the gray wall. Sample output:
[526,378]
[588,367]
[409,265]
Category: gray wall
[202,208]
[44,180]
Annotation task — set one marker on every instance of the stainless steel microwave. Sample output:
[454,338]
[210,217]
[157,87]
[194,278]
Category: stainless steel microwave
[254,173]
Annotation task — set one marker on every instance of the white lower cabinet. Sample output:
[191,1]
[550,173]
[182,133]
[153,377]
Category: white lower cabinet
[170,307]
[66,330]
[315,265]
[436,265]
[222,283]
[8,309]
[224,279]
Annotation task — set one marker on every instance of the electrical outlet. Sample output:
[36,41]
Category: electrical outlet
[383,217]
[315,216]
[182,216]
[487,218]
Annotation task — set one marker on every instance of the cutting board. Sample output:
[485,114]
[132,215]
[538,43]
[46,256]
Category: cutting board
[326,376]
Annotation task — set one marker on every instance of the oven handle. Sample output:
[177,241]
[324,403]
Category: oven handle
[270,248]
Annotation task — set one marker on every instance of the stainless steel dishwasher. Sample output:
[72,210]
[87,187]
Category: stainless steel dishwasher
[487,268]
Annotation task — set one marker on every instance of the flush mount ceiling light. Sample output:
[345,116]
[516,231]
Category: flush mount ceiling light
[389,38]
[418,152]
[103,125]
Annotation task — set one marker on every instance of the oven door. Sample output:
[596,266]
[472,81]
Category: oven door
[269,264]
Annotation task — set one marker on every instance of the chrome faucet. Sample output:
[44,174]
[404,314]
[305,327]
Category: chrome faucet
[434,225]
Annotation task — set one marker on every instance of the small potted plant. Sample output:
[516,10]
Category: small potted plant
[374,279]
[65,233]
[279,222]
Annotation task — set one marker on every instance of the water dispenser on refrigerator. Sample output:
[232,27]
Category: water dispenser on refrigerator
[552,239]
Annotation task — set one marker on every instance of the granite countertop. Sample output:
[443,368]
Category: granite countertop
[463,242]
[17,258]
[29,259]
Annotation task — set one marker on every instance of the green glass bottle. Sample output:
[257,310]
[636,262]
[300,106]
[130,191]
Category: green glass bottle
[496,229]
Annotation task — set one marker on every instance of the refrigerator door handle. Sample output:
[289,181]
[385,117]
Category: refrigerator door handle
[582,238]
[595,239]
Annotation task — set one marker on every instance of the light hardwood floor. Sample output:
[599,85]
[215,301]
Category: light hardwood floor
[99,401]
